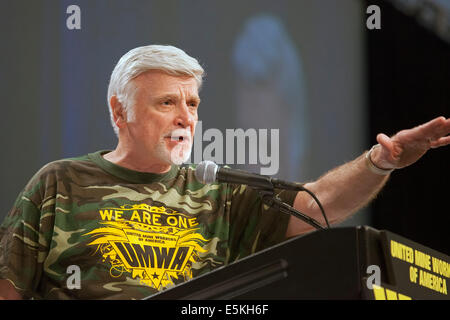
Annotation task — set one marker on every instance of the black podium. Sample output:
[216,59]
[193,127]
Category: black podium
[338,263]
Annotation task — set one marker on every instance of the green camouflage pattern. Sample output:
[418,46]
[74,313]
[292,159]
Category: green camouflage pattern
[131,234]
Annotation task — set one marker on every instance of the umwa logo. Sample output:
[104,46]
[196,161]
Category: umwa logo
[155,244]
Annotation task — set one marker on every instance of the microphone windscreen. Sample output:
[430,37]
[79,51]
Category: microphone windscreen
[206,172]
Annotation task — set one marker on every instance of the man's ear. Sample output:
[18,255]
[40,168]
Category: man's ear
[118,111]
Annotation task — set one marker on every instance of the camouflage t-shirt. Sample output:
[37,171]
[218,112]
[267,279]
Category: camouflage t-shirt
[85,228]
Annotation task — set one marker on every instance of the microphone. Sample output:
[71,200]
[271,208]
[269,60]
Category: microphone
[209,172]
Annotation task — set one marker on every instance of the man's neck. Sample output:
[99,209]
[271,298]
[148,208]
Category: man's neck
[132,161]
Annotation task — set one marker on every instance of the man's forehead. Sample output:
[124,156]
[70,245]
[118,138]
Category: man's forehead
[167,83]
[158,75]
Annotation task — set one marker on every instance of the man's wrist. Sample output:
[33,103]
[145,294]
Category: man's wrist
[373,167]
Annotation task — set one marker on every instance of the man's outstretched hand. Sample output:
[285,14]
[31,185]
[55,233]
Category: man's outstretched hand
[408,146]
[336,189]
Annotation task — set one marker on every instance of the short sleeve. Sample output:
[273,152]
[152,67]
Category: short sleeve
[23,241]
[19,245]
[254,226]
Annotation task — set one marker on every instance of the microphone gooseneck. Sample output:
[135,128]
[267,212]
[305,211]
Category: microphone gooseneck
[208,172]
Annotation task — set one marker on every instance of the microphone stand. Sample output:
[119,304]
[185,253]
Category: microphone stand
[271,200]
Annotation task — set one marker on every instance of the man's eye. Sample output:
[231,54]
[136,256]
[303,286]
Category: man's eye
[167,103]
[193,104]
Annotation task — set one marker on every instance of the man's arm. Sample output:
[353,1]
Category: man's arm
[8,292]
[346,189]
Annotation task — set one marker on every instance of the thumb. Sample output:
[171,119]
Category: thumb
[390,151]
[385,142]
[388,155]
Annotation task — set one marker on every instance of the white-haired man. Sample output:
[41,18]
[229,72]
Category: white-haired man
[130,222]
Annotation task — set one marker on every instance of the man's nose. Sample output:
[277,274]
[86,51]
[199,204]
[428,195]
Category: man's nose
[185,117]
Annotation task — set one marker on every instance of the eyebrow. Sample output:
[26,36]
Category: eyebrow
[176,97]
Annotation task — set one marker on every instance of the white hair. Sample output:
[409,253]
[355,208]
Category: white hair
[168,59]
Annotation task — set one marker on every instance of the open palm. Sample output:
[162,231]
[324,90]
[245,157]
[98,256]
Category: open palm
[408,146]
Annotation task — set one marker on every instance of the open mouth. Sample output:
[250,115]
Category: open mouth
[178,138]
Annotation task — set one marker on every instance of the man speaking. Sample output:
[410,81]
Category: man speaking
[128,223]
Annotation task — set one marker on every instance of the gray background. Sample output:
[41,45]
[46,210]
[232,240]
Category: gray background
[53,81]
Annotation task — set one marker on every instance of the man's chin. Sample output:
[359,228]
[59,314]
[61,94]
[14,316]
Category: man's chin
[180,159]
[176,155]
[180,155]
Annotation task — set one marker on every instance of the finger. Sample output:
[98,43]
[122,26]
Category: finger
[435,128]
[444,141]
[446,127]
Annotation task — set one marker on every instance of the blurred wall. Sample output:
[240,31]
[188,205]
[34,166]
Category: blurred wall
[409,84]
[53,80]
